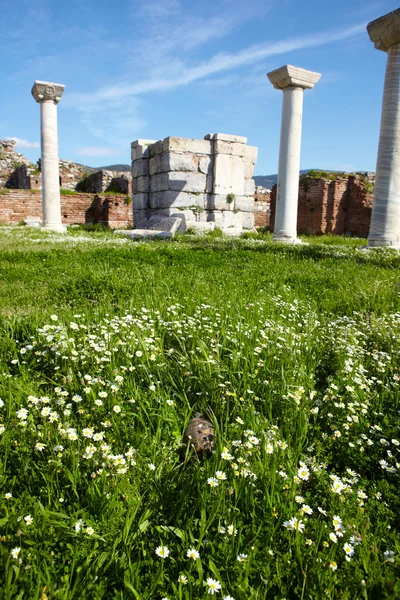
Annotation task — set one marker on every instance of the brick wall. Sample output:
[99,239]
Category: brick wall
[262,203]
[342,206]
[16,205]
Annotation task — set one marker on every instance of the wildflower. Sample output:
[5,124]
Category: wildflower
[239,420]
[15,552]
[348,549]
[28,519]
[333,565]
[103,394]
[22,414]
[87,432]
[39,446]
[242,557]
[138,353]
[89,530]
[53,318]
[72,435]
[309,542]
[151,467]
[192,553]
[213,586]
[333,537]
[307,509]
[337,521]
[303,472]
[231,530]
[299,499]
[212,481]
[183,579]
[389,556]
[220,475]
[8,496]
[269,448]
[226,455]
[162,551]
[294,524]
[79,525]
[228,598]
[116,408]
[98,402]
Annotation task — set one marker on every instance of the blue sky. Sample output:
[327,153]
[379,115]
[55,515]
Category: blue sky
[149,69]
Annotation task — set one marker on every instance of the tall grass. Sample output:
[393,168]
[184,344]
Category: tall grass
[108,348]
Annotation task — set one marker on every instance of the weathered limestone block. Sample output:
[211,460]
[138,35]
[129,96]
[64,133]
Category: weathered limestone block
[251,153]
[249,187]
[187,182]
[189,214]
[156,148]
[206,165]
[162,163]
[142,234]
[219,202]
[244,203]
[175,144]
[247,219]
[234,148]
[139,148]
[140,185]
[140,168]
[224,218]
[228,175]
[140,218]
[140,201]
[176,200]
[226,137]
[248,169]
[160,223]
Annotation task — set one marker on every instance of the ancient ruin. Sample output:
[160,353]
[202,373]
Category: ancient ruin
[48,95]
[385,221]
[293,81]
[204,183]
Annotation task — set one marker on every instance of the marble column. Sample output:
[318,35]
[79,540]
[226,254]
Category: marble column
[385,219]
[48,95]
[293,81]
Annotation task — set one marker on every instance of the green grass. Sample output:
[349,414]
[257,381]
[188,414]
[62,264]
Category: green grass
[292,352]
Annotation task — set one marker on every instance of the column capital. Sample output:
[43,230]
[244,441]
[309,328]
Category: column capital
[385,31]
[289,76]
[46,90]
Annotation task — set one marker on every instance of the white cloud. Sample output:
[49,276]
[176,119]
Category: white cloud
[24,143]
[97,151]
[217,64]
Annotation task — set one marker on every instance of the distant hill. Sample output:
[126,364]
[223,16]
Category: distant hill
[126,168]
[268,181]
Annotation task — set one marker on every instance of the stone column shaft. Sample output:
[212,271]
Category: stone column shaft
[385,218]
[293,81]
[289,165]
[48,95]
[51,201]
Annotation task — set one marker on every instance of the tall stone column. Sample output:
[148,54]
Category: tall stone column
[293,81]
[385,219]
[48,95]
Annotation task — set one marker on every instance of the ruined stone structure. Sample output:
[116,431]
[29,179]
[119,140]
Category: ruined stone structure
[339,206]
[293,81]
[103,181]
[10,161]
[24,205]
[262,207]
[385,222]
[199,181]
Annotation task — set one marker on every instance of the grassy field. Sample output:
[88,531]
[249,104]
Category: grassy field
[108,348]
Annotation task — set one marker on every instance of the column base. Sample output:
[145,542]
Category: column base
[54,227]
[288,240]
[393,244]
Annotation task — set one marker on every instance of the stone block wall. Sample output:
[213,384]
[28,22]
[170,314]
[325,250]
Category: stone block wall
[206,180]
[342,206]
[76,209]
[103,180]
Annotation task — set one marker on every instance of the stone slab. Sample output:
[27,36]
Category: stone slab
[244,203]
[206,165]
[175,144]
[140,201]
[199,227]
[248,169]
[221,147]
[232,231]
[249,187]
[33,222]
[164,162]
[247,219]
[140,168]
[226,137]
[139,148]
[170,224]
[219,202]
[176,200]
[140,185]
[139,234]
[251,153]
[140,218]
[228,175]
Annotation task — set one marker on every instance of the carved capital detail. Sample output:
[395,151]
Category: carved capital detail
[46,90]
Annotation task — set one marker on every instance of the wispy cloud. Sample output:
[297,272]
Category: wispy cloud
[217,64]
[24,143]
[97,151]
